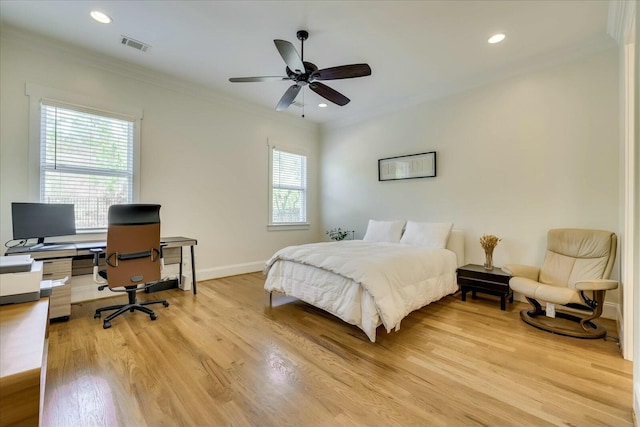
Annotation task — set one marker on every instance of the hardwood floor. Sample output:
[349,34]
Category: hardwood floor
[224,357]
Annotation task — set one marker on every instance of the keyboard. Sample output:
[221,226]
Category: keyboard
[90,245]
[49,247]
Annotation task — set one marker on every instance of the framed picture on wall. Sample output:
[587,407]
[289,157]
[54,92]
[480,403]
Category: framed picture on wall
[421,165]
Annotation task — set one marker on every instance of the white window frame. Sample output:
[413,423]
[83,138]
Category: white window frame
[271,226]
[37,94]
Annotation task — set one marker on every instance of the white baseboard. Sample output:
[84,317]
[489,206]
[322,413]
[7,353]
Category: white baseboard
[610,311]
[636,401]
[229,270]
[620,328]
[83,288]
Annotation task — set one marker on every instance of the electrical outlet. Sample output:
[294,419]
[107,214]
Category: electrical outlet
[551,310]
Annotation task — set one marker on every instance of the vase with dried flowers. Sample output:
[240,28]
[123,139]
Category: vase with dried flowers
[489,243]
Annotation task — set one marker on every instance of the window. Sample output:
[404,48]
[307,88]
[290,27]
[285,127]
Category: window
[288,188]
[86,158]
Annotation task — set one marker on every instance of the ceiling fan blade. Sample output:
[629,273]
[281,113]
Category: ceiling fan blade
[288,97]
[330,94]
[343,72]
[290,56]
[257,79]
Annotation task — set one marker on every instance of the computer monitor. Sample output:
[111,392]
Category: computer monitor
[40,220]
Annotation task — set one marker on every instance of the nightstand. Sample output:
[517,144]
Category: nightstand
[476,278]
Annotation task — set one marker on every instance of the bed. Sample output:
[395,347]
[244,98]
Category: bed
[374,281]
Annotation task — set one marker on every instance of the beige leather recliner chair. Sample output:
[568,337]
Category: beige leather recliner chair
[575,276]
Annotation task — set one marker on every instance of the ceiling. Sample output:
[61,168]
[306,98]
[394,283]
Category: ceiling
[417,50]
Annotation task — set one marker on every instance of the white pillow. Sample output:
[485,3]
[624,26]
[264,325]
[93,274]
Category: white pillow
[383,231]
[428,234]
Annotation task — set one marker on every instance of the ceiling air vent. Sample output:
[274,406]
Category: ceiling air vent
[128,41]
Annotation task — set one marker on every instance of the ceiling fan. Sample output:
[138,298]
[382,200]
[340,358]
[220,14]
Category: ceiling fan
[304,73]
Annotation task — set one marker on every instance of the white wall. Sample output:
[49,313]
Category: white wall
[515,158]
[203,158]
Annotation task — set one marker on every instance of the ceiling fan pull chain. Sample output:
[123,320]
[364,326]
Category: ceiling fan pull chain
[303,103]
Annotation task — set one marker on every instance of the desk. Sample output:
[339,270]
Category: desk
[23,361]
[60,261]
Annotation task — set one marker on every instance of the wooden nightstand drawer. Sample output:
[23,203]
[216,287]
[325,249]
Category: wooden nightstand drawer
[495,276]
[484,284]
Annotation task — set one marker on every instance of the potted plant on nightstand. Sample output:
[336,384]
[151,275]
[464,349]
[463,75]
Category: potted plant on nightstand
[337,234]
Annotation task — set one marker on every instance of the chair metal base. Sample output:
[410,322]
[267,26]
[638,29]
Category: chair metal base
[563,324]
[132,306]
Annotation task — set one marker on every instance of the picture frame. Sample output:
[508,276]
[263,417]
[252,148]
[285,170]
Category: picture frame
[422,165]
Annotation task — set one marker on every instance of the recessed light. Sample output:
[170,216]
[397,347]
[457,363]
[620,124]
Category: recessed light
[496,38]
[101,17]
[322,105]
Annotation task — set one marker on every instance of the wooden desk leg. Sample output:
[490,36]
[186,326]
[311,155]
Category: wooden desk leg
[193,271]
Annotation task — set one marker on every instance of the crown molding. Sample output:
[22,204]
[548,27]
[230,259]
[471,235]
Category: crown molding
[576,52]
[620,20]
[60,50]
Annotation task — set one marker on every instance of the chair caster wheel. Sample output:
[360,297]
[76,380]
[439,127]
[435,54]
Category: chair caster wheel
[96,316]
[153,316]
[106,325]
[166,304]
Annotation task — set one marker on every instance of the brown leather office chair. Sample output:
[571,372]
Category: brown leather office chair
[574,276]
[133,257]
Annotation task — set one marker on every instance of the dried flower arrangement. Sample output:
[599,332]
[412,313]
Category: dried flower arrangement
[489,242]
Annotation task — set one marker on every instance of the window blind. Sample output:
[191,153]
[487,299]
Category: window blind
[289,188]
[86,158]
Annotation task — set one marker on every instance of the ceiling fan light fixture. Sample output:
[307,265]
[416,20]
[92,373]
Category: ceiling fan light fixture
[322,105]
[496,38]
[101,17]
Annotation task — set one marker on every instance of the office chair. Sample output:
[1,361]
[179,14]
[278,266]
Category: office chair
[133,257]
[575,276]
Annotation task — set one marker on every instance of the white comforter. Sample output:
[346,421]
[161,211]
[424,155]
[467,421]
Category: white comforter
[400,278]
